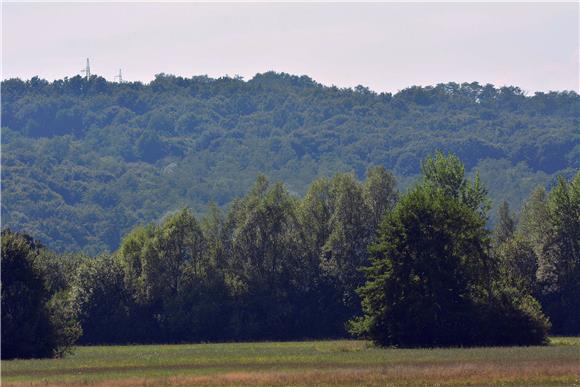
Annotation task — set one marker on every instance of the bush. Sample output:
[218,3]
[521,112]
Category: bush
[512,320]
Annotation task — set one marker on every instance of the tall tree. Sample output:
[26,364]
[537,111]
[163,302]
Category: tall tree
[559,265]
[380,192]
[506,224]
[265,267]
[431,281]
[31,327]
[104,305]
[345,250]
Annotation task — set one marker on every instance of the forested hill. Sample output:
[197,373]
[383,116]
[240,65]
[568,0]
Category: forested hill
[83,161]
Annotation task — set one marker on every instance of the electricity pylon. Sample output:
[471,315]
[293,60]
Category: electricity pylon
[119,77]
[87,70]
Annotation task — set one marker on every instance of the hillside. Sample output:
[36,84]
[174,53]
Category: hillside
[85,161]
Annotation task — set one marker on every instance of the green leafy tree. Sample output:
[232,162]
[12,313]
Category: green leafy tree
[345,250]
[179,292]
[31,327]
[447,173]
[559,264]
[323,305]
[550,225]
[506,224]
[101,300]
[427,276]
[265,269]
[380,192]
[432,281]
[518,265]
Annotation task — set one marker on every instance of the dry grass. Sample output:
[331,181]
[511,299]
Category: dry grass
[463,374]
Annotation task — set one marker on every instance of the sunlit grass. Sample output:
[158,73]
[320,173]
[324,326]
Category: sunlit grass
[559,340]
[299,363]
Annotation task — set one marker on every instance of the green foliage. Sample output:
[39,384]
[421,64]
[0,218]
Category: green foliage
[425,277]
[99,297]
[174,291]
[506,224]
[32,325]
[558,254]
[447,173]
[432,281]
[541,255]
[273,267]
[85,161]
[517,263]
[276,266]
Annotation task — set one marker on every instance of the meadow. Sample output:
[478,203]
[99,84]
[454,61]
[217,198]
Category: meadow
[344,362]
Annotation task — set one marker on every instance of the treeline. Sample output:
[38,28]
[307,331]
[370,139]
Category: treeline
[85,161]
[279,267]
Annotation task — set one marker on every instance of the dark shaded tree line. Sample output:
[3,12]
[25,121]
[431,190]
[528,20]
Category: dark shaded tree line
[278,267]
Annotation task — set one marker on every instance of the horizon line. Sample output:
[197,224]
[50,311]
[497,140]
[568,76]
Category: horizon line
[248,79]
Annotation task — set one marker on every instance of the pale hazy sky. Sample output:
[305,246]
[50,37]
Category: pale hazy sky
[386,47]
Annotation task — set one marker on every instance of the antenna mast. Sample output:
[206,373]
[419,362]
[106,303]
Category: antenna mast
[119,77]
[87,70]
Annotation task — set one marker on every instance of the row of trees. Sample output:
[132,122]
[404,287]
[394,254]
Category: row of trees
[274,267]
[539,251]
[279,267]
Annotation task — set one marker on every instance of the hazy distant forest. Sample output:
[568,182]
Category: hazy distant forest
[85,161]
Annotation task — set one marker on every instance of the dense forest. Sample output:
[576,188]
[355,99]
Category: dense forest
[85,161]
[419,268]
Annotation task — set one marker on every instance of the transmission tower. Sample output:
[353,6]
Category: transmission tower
[87,70]
[119,77]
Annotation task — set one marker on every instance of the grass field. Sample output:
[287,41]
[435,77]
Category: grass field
[302,363]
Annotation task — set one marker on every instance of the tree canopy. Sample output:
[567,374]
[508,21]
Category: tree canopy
[279,266]
[84,161]
[34,325]
[432,280]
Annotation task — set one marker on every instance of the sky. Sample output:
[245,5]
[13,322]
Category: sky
[386,47]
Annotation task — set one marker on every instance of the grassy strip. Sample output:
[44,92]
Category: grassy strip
[301,363]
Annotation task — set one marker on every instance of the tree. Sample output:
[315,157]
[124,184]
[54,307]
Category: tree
[30,327]
[323,307]
[265,272]
[426,276]
[179,291]
[559,265]
[506,224]
[447,173]
[431,280]
[550,225]
[149,146]
[84,161]
[518,265]
[345,250]
[380,193]
[102,302]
